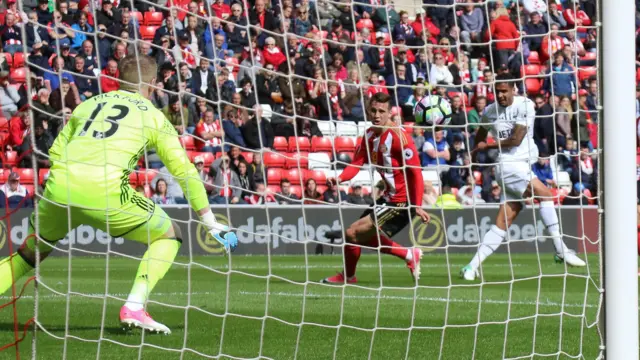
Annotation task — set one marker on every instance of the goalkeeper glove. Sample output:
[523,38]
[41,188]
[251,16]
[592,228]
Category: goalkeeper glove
[220,232]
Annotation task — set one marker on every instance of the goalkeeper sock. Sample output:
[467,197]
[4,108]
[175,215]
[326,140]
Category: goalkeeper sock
[550,220]
[391,247]
[490,243]
[154,265]
[351,257]
[12,268]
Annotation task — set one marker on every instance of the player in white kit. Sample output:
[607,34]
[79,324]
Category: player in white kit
[510,120]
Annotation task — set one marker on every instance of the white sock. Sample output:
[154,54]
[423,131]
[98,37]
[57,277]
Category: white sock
[490,243]
[136,300]
[550,220]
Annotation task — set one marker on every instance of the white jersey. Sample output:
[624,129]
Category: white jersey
[500,122]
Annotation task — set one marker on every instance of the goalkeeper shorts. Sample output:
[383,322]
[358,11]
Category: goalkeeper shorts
[389,217]
[139,219]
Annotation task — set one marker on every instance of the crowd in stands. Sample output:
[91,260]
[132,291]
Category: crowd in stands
[238,79]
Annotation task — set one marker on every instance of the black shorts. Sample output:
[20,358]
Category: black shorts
[390,218]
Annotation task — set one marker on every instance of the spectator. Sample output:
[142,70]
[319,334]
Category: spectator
[485,86]
[542,169]
[505,36]
[160,195]
[241,113]
[592,99]
[257,132]
[495,195]
[177,115]
[430,195]
[447,200]
[474,117]
[357,196]
[248,97]
[108,14]
[374,86]
[560,80]
[227,186]
[36,32]
[402,87]
[332,104]
[302,24]
[183,52]
[285,196]
[260,15]
[41,106]
[109,77]
[247,183]
[167,30]
[44,15]
[435,150]
[237,38]
[544,128]
[220,9]
[440,73]
[63,97]
[272,54]
[59,32]
[209,134]
[238,15]
[198,161]
[13,194]
[576,197]
[586,169]
[379,55]
[460,165]
[173,186]
[458,119]
[469,194]
[334,194]
[185,75]
[535,27]
[43,142]
[203,81]
[11,34]
[555,16]
[261,196]
[311,194]
[81,28]
[564,118]
[551,44]
[581,122]
[159,97]
[9,97]
[231,128]
[472,24]
[267,87]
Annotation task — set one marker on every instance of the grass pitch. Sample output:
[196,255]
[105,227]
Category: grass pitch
[527,308]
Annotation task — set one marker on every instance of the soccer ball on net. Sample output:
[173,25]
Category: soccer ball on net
[432,110]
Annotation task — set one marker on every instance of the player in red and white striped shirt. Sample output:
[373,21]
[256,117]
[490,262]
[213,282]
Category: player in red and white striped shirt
[390,151]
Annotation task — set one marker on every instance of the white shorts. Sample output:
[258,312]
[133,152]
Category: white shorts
[514,178]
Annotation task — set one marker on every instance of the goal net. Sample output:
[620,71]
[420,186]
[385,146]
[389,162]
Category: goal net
[269,101]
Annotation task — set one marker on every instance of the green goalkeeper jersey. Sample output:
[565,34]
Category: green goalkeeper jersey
[97,150]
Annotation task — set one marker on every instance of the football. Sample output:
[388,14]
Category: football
[432,110]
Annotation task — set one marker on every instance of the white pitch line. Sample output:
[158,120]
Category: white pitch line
[547,302]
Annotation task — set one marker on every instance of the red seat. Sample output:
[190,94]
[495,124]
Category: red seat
[532,69]
[9,59]
[477,175]
[153,18]
[248,156]
[146,176]
[41,175]
[296,190]
[2,16]
[300,143]
[296,176]
[344,143]
[4,175]
[232,64]
[18,60]
[271,159]
[207,157]
[10,158]
[296,160]
[533,86]
[133,179]
[27,176]
[321,144]
[188,142]
[139,17]
[365,23]
[148,32]
[31,189]
[589,56]
[274,189]
[4,124]
[19,74]
[319,176]
[280,143]
[585,72]
[534,57]
[274,175]
[321,188]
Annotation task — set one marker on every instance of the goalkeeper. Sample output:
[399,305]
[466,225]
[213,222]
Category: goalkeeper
[89,182]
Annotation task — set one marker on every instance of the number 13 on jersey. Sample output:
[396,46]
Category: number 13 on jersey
[115,113]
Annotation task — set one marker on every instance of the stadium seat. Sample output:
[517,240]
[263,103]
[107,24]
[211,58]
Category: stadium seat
[18,59]
[297,176]
[365,23]
[477,176]
[327,128]
[296,190]
[133,179]
[297,159]
[589,56]
[343,159]
[533,86]
[431,175]
[41,175]
[343,143]
[319,176]
[274,189]
[272,159]
[153,18]
[2,16]
[363,178]
[188,142]
[9,58]
[321,144]
[27,176]
[148,32]
[31,189]
[534,58]
[274,175]
[146,176]
[248,156]
[564,180]
[300,143]
[532,69]
[207,157]
[10,158]
[321,188]
[19,74]
[585,72]
[319,161]
[280,143]
[346,129]
[138,16]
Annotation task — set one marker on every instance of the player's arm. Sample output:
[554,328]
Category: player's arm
[517,135]
[359,158]
[57,149]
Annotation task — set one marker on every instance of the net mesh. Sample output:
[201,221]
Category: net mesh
[288,89]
